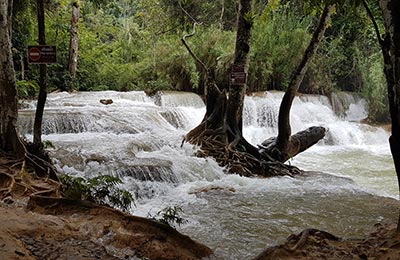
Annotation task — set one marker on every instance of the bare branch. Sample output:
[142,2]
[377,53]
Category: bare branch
[371,16]
[186,12]
[190,50]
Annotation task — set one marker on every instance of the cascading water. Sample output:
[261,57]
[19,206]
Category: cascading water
[139,138]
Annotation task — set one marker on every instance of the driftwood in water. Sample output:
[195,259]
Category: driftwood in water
[298,143]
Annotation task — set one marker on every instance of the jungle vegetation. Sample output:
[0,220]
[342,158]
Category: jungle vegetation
[136,45]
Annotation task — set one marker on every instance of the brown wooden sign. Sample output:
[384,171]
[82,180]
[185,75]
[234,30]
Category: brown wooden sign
[237,68]
[42,54]
[238,74]
[238,78]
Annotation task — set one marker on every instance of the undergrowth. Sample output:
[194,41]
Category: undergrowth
[101,189]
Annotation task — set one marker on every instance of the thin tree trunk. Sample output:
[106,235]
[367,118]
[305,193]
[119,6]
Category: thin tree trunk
[284,129]
[37,127]
[73,44]
[22,61]
[9,141]
[221,17]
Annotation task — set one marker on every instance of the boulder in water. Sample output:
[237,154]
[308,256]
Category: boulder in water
[106,101]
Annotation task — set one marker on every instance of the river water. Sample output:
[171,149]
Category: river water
[139,138]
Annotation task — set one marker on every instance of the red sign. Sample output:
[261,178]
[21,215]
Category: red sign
[34,54]
[42,54]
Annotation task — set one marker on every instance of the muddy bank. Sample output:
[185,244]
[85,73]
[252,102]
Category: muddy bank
[63,229]
[311,244]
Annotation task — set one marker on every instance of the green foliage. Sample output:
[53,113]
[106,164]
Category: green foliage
[101,189]
[375,90]
[279,41]
[249,17]
[135,44]
[27,89]
[48,144]
[170,216]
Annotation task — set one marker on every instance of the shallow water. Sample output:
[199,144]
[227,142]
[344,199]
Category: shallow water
[139,139]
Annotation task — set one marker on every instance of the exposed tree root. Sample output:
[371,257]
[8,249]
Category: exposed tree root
[242,158]
[19,178]
[305,234]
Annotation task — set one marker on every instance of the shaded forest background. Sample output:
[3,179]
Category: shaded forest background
[136,45]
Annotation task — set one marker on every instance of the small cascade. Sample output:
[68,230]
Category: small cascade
[261,110]
[261,118]
[158,171]
[178,99]
[349,106]
[176,118]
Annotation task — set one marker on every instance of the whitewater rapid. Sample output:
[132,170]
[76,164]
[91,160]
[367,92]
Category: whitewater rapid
[138,138]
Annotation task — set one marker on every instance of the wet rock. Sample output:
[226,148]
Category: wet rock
[106,101]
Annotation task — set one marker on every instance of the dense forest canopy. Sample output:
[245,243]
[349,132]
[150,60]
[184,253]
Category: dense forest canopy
[131,45]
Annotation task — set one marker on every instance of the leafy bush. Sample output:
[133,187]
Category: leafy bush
[279,40]
[170,216]
[27,88]
[101,189]
[374,90]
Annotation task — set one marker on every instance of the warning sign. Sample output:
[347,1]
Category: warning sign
[238,74]
[42,54]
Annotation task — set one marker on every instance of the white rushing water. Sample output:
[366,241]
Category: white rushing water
[139,138]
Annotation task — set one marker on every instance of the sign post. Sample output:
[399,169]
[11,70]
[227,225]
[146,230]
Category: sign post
[42,54]
[238,75]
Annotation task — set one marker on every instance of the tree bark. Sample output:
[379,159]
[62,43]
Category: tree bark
[73,43]
[37,127]
[283,143]
[219,135]
[9,141]
[391,56]
[242,50]
[299,142]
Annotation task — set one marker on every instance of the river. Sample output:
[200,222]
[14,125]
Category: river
[139,138]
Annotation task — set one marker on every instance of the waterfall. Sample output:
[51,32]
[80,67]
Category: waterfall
[261,113]
[139,139]
[348,105]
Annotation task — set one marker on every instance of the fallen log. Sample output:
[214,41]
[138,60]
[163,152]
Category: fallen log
[298,143]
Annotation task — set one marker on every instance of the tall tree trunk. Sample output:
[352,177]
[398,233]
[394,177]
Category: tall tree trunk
[237,90]
[220,133]
[37,127]
[391,55]
[284,130]
[9,141]
[73,43]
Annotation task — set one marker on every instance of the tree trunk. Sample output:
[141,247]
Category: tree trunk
[22,62]
[284,143]
[219,135]
[37,127]
[73,43]
[9,141]
[237,89]
[391,55]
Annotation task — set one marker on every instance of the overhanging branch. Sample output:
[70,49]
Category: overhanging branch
[371,16]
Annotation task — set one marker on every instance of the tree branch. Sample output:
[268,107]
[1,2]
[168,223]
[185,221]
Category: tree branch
[191,52]
[183,9]
[371,16]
